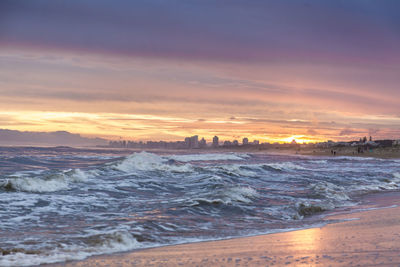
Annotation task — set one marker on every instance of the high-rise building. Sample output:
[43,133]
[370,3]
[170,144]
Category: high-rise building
[227,143]
[245,141]
[215,141]
[202,143]
[187,142]
[192,142]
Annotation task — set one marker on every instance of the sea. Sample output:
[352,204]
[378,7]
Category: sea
[61,204]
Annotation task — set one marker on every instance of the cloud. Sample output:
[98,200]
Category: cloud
[373,131]
[347,132]
[279,67]
[206,30]
[312,132]
[13,137]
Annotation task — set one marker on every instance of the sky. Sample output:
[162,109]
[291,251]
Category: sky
[162,70]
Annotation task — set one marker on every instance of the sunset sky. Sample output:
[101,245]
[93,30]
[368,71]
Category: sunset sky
[162,70]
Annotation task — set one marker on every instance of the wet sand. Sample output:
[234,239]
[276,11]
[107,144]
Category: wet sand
[368,238]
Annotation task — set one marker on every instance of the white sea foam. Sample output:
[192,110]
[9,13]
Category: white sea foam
[322,161]
[284,166]
[241,194]
[145,161]
[209,157]
[236,169]
[227,196]
[117,241]
[36,184]
[396,175]
[39,184]
[331,191]
[357,158]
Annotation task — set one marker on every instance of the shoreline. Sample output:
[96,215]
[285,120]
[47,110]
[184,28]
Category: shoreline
[368,235]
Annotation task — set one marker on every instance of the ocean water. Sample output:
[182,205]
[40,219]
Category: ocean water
[59,204]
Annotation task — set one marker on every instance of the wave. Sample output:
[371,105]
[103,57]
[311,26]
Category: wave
[48,183]
[330,191]
[322,161]
[117,241]
[227,196]
[283,166]
[350,158]
[236,169]
[144,161]
[253,170]
[209,157]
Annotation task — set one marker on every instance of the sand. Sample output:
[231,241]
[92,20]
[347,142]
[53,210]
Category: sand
[367,238]
[380,152]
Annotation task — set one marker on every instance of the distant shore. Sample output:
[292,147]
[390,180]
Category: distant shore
[380,152]
[367,238]
[377,152]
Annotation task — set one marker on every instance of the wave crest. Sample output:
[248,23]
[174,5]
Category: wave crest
[112,242]
[209,157]
[228,196]
[50,183]
[144,161]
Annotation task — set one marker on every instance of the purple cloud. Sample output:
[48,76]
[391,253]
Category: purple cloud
[209,30]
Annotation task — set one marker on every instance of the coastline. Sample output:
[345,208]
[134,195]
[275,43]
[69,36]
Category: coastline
[379,152]
[367,238]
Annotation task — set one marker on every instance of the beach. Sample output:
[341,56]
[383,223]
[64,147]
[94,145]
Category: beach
[363,238]
[379,152]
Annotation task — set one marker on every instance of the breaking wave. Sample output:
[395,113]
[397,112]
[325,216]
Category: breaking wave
[284,166]
[209,157]
[227,196]
[145,161]
[117,241]
[46,183]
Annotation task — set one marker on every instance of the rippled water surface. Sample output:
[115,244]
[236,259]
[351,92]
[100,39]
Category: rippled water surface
[59,204]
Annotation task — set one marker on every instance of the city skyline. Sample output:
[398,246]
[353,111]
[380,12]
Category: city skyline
[152,70]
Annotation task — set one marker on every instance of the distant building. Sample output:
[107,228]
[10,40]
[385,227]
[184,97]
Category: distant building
[384,143]
[227,143]
[187,142]
[192,142]
[215,142]
[245,141]
[203,143]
